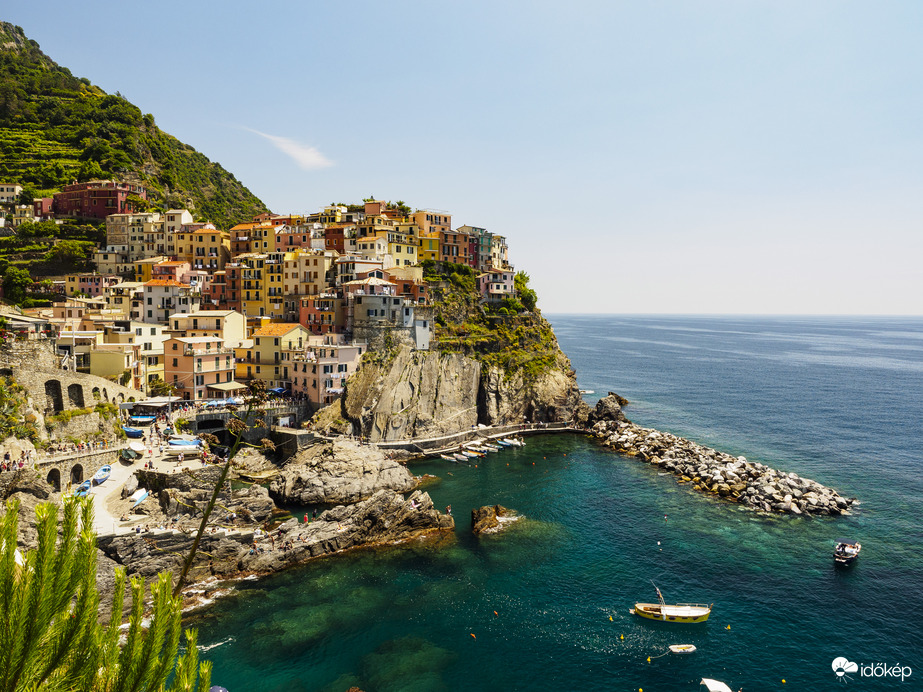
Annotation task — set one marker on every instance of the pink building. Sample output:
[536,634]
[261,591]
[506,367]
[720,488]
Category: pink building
[199,367]
[96,199]
[319,375]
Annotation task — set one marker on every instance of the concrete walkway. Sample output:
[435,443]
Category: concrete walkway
[107,524]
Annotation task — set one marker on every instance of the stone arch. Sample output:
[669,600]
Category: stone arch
[75,395]
[53,398]
[105,395]
[121,398]
[6,372]
[76,474]
[54,479]
[96,394]
[131,398]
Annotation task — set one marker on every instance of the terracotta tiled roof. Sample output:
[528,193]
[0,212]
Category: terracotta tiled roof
[276,329]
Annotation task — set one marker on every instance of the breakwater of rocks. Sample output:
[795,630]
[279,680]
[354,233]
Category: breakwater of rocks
[735,479]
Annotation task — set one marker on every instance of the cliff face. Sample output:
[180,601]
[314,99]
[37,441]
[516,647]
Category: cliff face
[427,394]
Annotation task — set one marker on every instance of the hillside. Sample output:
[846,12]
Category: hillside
[55,128]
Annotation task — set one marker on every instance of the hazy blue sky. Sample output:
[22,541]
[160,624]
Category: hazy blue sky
[722,156]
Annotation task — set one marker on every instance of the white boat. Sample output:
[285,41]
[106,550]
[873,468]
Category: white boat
[505,443]
[141,498]
[715,685]
[460,457]
[514,442]
[682,648]
[447,457]
[187,452]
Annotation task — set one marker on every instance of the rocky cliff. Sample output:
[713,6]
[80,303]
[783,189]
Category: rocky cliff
[421,394]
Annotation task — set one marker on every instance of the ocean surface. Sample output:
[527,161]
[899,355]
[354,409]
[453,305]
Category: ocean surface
[544,605]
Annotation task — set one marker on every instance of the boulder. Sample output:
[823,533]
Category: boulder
[339,471]
[487,519]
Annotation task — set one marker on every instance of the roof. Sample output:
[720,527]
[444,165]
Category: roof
[199,339]
[167,282]
[204,313]
[277,329]
[370,281]
[226,386]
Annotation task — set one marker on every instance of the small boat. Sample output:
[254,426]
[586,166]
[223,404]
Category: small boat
[715,685]
[682,648]
[447,457]
[174,442]
[505,443]
[460,457]
[187,452]
[140,498]
[142,420]
[128,456]
[133,432]
[102,475]
[82,489]
[846,552]
[680,612]
[136,447]
[471,455]
[516,441]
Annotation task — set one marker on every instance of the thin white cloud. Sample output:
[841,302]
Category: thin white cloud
[307,158]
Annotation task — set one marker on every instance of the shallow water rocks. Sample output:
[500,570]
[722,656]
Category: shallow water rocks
[487,519]
[751,484]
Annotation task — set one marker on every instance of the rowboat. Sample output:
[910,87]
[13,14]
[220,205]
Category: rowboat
[460,457]
[680,612]
[175,442]
[133,432]
[187,452]
[505,443]
[141,498]
[102,475]
[715,685]
[142,420]
[447,457]
[846,552]
[82,489]
[682,648]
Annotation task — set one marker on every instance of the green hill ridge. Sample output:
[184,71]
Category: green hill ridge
[56,128]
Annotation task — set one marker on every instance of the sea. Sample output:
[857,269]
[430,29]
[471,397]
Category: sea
[544,605]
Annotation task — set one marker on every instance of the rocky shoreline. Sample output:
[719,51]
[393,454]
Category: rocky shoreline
[750,484]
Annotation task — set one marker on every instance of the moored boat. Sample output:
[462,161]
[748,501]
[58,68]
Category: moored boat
[447,457]
[679,612]
[102,475]
[846,552]
[460,457]
[682,648]
[82,489]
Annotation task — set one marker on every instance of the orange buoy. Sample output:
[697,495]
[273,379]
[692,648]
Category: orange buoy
[496,613]
[472,636]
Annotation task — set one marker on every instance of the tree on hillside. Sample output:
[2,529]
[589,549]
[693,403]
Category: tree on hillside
[70,253]
[527,296]
[51,636]
[15,283]
[157,387]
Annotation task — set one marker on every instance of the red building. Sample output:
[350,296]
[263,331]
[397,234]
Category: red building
[96,199]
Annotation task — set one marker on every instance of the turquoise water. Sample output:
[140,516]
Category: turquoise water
[836,400]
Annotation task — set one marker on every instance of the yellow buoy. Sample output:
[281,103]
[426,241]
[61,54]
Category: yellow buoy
[648,659]
[729,627]
[622,637]
[783,681]
[610,618]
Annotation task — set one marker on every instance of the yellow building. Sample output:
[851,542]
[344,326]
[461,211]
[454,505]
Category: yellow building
[429,247]
[204,248]
[144,269]
[270,354]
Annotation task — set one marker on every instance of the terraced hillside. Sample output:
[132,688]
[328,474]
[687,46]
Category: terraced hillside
[55,128]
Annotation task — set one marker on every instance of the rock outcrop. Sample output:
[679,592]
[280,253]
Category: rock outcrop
[386,517]
[735,479]
[487,519]
[422,394]
[338,472]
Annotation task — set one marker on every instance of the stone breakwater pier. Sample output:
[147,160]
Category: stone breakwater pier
[735,479]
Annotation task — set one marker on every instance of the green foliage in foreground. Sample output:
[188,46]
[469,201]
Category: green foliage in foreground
[50,636]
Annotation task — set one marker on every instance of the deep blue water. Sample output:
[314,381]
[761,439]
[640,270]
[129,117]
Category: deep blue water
[839,400]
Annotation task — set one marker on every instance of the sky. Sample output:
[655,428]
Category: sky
[670,156]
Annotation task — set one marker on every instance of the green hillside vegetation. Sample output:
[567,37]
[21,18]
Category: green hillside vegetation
[56,128]
[511,335]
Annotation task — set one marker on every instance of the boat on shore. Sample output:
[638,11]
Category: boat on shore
[82,489]
[142,420]
[846,552]
[102,475]
[679,612]
[132,432]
